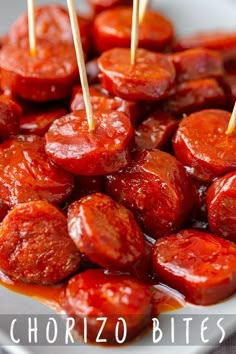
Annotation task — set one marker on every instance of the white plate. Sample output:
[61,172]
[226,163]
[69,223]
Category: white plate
[188,16]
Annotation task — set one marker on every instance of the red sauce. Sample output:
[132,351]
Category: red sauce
[164,298]
[52,296]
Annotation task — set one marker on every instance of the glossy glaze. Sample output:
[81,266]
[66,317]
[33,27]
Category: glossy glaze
[106,149]
[35,246]
[221,206]
[202,145]
[112,29]
[151,78]
[106,232]
[27,173]
[156,188]
[200,265]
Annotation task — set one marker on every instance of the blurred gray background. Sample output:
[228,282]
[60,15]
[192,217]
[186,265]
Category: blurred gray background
[187,15]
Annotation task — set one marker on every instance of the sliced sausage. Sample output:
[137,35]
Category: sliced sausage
[53,24]
[194,95]
[156,188]
[151,78]
[223,42]
[10,114]
[37,120]
[112,29]
[221,206]
[86,185]
[102,5]
[106,232]
[47,76]
[198,264]
[102,101]
[95,293]
[197,63]
[27,174]
[156,131]
[35,246]
[72,146]
[229,84]
[202,145]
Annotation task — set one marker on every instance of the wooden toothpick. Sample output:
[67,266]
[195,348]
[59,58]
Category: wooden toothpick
[143,9]
[81,63]
[135,31]
[31,27]
[232,122]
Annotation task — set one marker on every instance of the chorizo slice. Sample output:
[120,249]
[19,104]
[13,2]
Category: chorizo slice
[222,42]
[95,293]
[197,63]
[156,188]
[10,114]
[102,101]
[53,24]
[38,119]
[35,246]
[195,95]
[106,232]
[156,131]
[27,174]
[86,185]
[221,206]
[47,76]
[102,5]
[202,145]
[151,78]
[229,84]
[72,146]
[198,264]
[112,29]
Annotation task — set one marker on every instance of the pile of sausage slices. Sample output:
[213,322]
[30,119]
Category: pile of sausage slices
[154,183]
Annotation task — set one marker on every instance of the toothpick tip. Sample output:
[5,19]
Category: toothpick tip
[229,131]
[91,127]
[33,52]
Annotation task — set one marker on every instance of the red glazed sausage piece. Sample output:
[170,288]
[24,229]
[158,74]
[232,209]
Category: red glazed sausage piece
[105,150]
[53,24]
[156,131]
[194,95]
[229,84]
[223,42]
[47,76]
[156,188]
[10,113]
[35,246]
[94,294]
[112,29]
[27,174]
[221,206]
[200,265]
[202,146]
[151,78]
[102,101]
[197,63]
[102,5]
[85,185]
[106,232]
[37,120]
